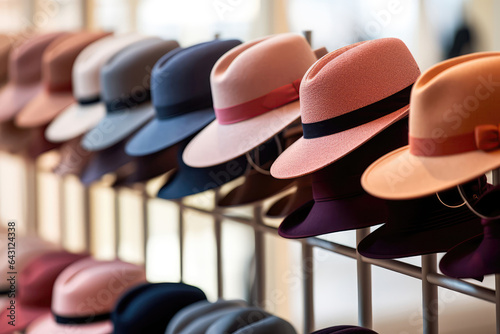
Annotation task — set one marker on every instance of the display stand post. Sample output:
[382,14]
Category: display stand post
[86,219]
[364,271]
[31,196]
[145,221]
[218,246]
[117,221]
[308,286]
[181,240]
[496,182]
[429,295]
[260,259]
[62,210]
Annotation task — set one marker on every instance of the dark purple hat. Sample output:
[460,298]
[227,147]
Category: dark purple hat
[345,330]
[340,203]
[181,95]
[479,255]
[424,225]
[288,204]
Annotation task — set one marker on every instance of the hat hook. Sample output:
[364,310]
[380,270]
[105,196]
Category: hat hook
[256,166]
[462,194]
[448,205]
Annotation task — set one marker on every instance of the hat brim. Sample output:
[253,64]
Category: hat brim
[472,258]
[306,156]
[14,97]
[24,317]
[401,175]
[288,204]
[43,108]
[316,218]
[116,126]
[219,143]
[389,242]
[47,325]
[163,133]
[75,121]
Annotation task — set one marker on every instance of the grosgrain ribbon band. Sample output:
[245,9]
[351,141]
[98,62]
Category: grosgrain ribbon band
[128,101]
[89,100]
[359,116]
[486,137]
[4,292]
[272,100]
[81,320]
[174,110]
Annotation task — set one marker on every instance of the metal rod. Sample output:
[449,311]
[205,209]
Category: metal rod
[62,211]
[87,228]
[365,318]
[429,295]
[218,246]
[181,241]
[308,287]
[308,36]
[260,259]
[145,221]
[462,287]
[397,266]
[496,182]
[31,195]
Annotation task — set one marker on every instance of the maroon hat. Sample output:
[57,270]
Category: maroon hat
[340,203]
[479,255]
[424,225]
[289,203]
[34,288]
[345,330]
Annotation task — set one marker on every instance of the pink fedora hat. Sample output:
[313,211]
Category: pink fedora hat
[255,90]
[57,64]
[84,295]
[25,73]
[347,97]
[34,290]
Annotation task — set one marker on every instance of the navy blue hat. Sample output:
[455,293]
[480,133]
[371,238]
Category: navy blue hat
[188,180]
[345,330]
[149,308]
[181,95]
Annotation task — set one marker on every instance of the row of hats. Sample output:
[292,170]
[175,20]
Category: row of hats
[61,292]
[92,92]
[225,109]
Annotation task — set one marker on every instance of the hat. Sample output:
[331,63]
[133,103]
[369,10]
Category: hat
[479,255]
[255,93]
[181,96]
[346,98]
[150,166]
[34,290]
[345,330]
[39,144]
[250,320]
[84,296]
[88,110]
[337,191]
[14,139]
[289,203]
[189,181]
[150,307]
[26,248]
[453,130]
[25,73]
[57,64]
[5,48]
[197,317]
[424,225]
[73,158]
[125,89]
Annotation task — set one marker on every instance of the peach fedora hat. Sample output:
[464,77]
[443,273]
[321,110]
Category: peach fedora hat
[255,95]
[57,64]
[454,134]
[25,74]
[84,296]
[89,109]
[347,97]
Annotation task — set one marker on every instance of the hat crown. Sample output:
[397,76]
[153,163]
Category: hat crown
[25,62]
[58,60]
[128,73]
[184,74]
[90,287]
[37,279]
[256,68]
[453,97]
[88,64]
[356,76]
